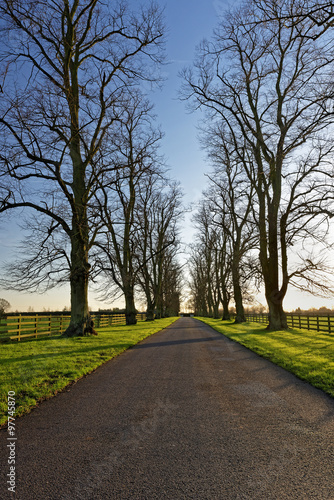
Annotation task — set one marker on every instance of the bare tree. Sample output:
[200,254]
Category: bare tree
[269,83]
[158,213]
[198,280]
[69,65]
[206,300]
[168,303]
[210,264]
[208,237]
[138,160]
[224,266]
[43,260]
[320,13]
[231,202]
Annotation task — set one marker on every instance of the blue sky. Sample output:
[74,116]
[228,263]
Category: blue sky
[188,23]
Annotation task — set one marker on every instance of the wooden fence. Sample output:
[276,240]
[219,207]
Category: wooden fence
[320,323]
[23,326]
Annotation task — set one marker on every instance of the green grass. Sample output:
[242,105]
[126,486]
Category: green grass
[3,325]
[38,369]
[307,354]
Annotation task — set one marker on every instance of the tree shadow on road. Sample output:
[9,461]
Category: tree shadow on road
[174,342]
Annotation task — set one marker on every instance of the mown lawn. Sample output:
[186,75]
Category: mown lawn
[307,354]
[38,369]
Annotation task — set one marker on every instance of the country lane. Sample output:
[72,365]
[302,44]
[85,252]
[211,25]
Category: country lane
[185,414]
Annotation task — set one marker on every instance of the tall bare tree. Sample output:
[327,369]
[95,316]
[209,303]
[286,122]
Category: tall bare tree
[138,161]
[231,201]
[158,213]
[198,280]
[269,83]
[68,65]
[168,303]
[210,265]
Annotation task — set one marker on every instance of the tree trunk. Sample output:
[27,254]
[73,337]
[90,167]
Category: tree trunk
[130,309]
[240,313]
[270,267]
[225,301]
[277,316]
[150,311]
[209,299]
[203,307]
[159,305]
[215,311]
[80,323]
[150,315]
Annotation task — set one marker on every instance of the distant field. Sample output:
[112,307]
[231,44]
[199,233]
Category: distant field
[38,369]
[307,354]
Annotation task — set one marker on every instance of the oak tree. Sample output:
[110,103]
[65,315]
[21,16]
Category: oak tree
[69,65]
[268,83]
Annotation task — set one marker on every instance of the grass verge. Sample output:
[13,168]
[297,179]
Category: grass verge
[37,369]
[307,354]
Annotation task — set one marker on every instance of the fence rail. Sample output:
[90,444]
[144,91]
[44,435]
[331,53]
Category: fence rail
[321,323]
[24,326]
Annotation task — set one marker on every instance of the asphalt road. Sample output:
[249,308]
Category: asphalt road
[186,414]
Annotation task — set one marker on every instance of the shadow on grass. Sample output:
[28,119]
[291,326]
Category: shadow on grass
[285,340]
[26,340]
[236,328]
[62,353]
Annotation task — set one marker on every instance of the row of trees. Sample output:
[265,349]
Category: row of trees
[266,83]
[80,150]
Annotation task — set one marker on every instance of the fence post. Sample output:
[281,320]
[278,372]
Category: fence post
[292,320]
[19,328]
[318,326]
[300,322]
[308,322]
[36,319]
[329,323]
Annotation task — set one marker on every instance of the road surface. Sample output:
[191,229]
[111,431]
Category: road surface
[185,414]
